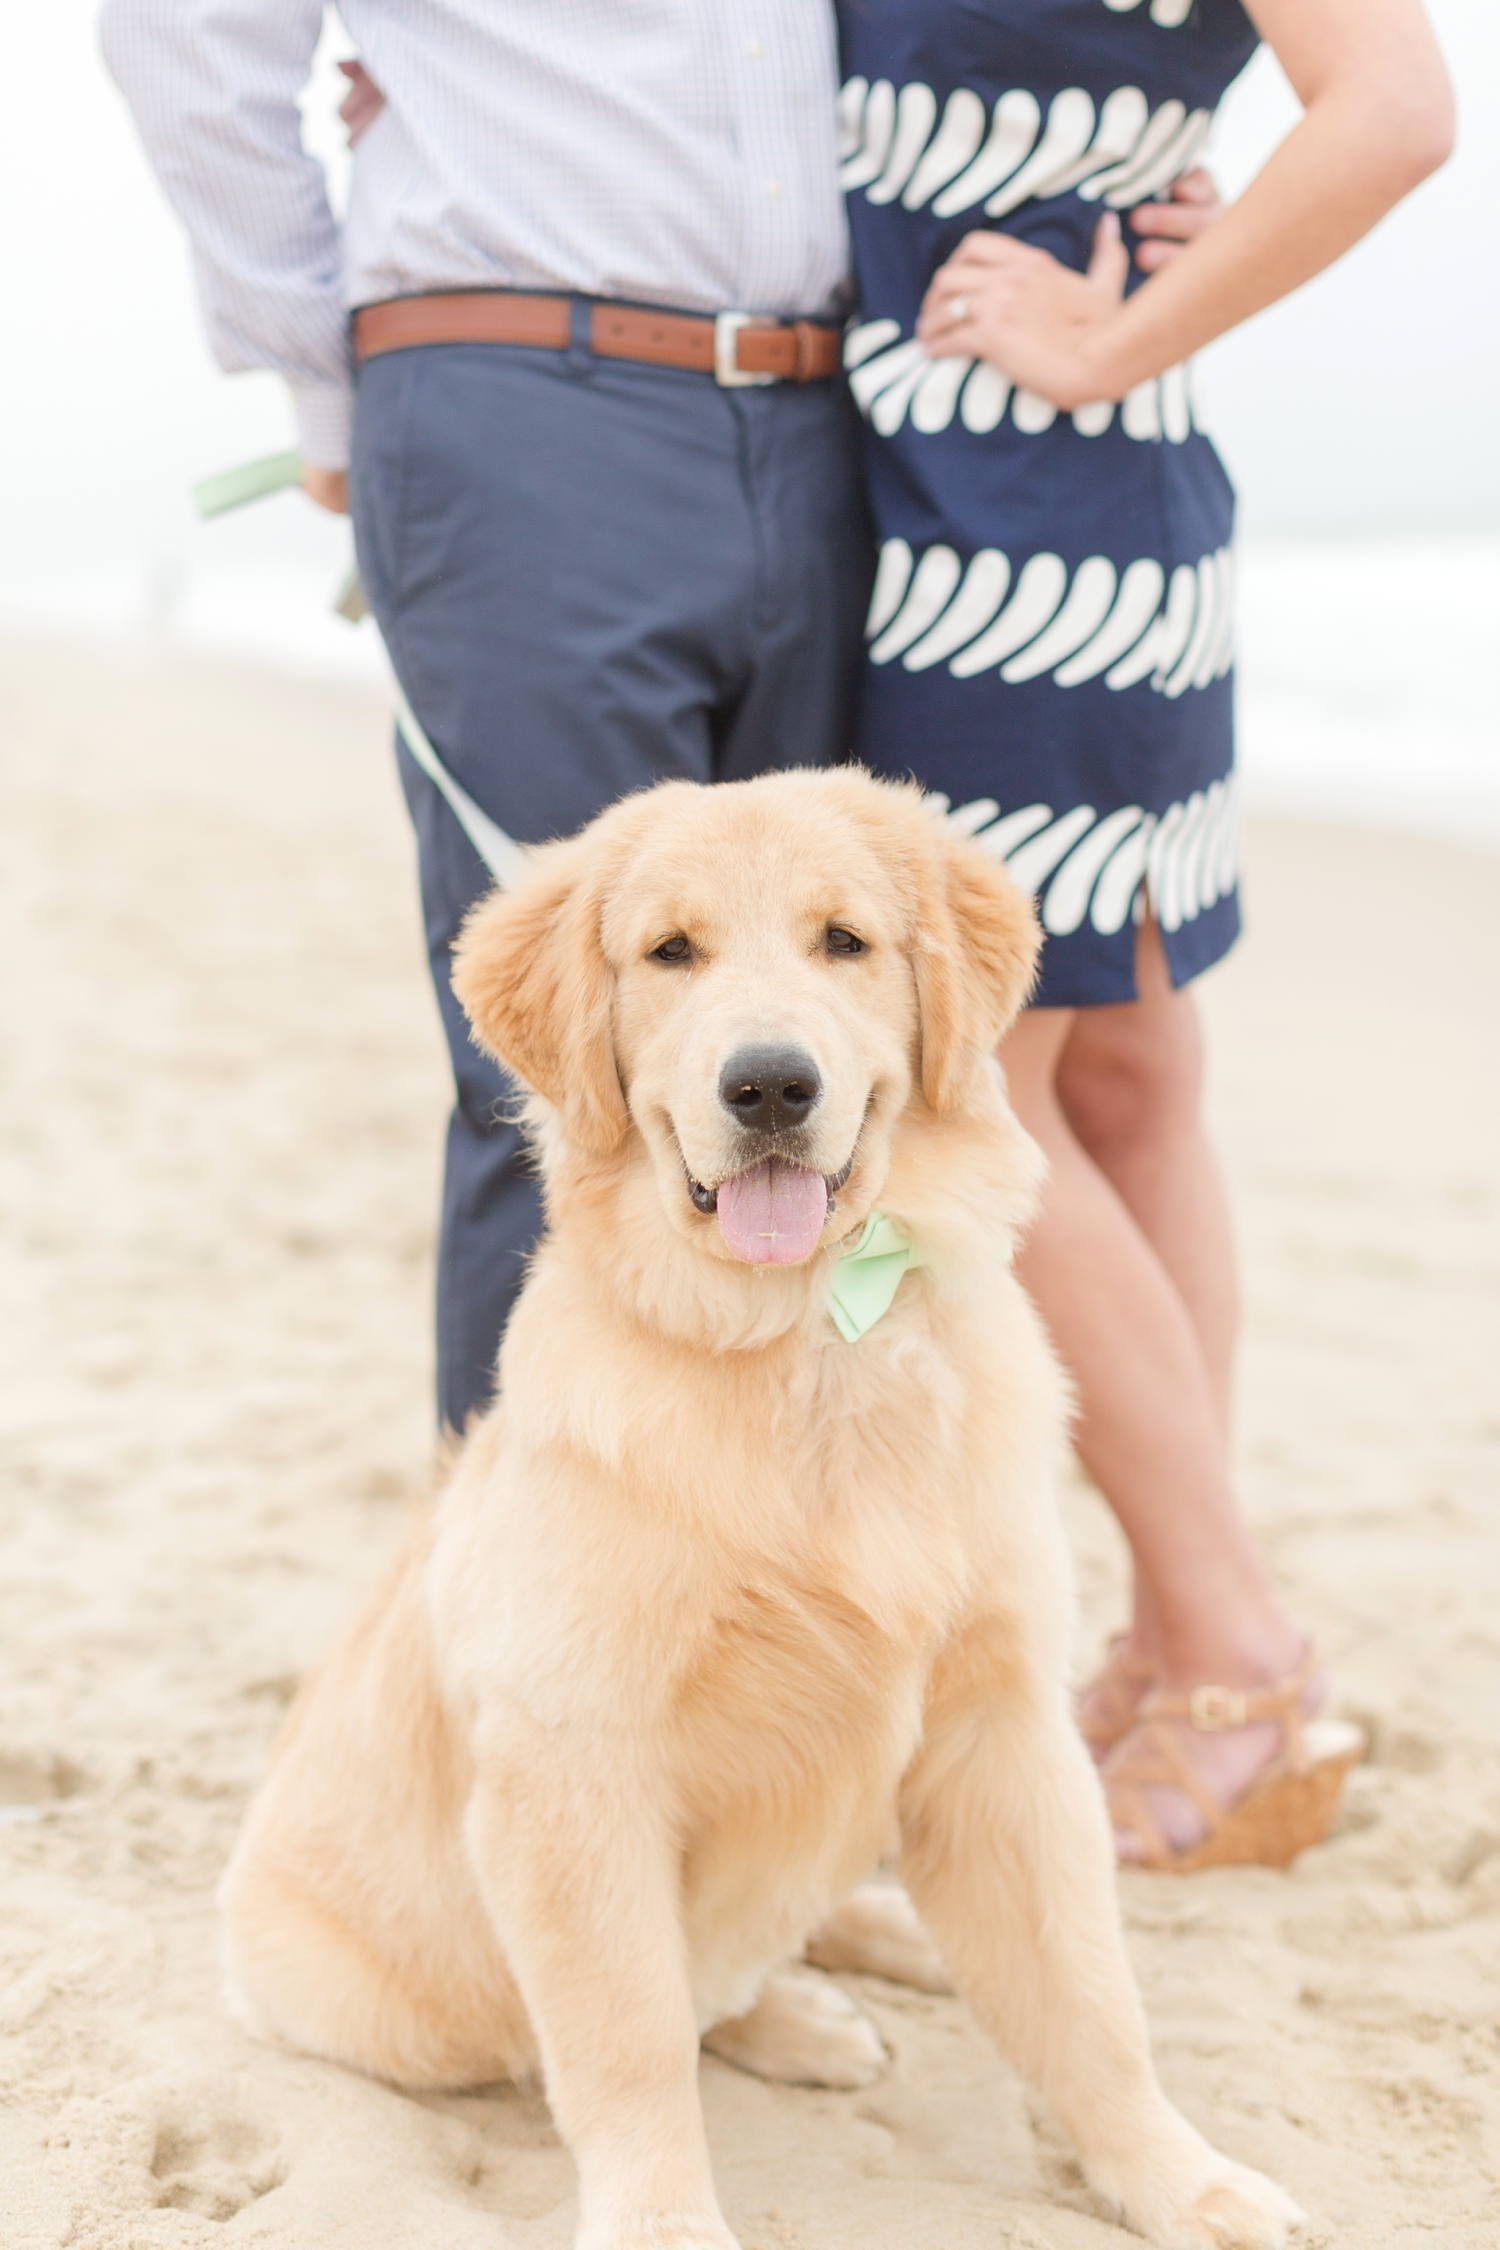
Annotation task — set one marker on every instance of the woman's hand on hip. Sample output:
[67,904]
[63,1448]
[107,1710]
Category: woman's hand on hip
[1377,118]
[1038,321]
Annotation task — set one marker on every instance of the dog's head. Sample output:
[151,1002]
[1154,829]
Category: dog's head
[753,984]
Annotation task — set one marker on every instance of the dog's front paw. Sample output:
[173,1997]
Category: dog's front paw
[805,2032]
[1231,2208]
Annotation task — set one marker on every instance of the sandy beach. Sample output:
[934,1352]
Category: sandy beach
[221,1100]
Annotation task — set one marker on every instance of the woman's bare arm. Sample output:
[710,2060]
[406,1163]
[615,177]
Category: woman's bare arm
[1378,118]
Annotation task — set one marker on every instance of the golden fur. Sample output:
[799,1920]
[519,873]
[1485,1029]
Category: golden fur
[713,1602]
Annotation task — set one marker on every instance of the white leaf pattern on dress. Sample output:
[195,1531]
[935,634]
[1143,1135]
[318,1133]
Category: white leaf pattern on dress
[982,592]
[1136,604]
[937,395]
[984,399]
[916,113]
[851,114]
[1140,411]
[1084,611]
[1204,636]
[877,127]
[884,368]
[1039,590]
[1013,130]
[875,358]
[892,577]
[1175,404]
[1142,180]
[955,144]
[889,410]
[892,144]
[1094,419]
[1070,128]
[1035,860]
[1161,129]
[1004,836]
[1084,868]
[1073,627]
[933,584]
[1117,888]
[1068,895]
[871,336]
[1031,413]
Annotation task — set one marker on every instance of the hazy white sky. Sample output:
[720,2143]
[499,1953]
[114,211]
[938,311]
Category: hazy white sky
[1368,404]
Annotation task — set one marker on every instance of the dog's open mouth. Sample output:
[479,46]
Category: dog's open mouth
[772,1213]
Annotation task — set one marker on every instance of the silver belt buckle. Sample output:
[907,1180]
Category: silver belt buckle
[727,372]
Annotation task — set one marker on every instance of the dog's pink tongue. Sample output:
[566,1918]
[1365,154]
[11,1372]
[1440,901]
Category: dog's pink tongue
[773,1214]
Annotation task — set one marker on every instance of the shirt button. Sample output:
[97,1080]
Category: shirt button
[773,187]
[755,49]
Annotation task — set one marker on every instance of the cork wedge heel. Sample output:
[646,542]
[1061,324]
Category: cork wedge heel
[1287,1807]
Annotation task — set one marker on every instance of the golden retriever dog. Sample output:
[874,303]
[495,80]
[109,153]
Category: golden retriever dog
[722,1596]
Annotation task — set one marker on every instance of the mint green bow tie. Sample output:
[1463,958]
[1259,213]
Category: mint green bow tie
[867,1276]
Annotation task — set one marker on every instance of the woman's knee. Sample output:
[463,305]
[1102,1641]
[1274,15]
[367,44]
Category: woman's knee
[1132,1076]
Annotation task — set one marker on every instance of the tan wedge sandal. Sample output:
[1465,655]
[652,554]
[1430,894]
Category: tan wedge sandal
[1287,1807]
[1116,1690]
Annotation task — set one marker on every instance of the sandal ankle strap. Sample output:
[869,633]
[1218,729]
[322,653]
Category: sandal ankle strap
[1213,1709]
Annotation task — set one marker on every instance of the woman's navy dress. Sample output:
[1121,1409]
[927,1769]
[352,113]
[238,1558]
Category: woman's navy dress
[1051,635]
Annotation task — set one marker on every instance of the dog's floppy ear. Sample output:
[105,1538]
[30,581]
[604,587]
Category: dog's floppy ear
[530,974]
[975,958]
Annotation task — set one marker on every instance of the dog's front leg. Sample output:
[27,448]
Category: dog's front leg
[1007,1854]
[574,1855]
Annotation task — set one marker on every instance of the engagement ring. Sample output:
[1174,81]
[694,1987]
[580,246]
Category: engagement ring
[959,307]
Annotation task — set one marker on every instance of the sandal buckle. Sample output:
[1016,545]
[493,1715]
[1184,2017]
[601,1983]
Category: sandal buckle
[1214,1709]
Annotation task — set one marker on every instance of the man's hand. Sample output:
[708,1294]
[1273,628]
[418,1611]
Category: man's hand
[1169,227]
[364,101]
[328,487]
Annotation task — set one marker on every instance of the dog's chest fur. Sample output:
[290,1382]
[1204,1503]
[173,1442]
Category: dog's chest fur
[820,1499]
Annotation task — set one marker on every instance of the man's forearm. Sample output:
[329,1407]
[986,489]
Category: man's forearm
[213,86]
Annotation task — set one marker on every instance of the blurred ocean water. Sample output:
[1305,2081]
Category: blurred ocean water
[1366,682]
[1364,669]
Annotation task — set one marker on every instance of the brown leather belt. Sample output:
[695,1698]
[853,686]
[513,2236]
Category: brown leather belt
[735,348]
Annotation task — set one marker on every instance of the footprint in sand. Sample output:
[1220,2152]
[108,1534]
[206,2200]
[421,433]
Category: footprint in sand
[213,2165]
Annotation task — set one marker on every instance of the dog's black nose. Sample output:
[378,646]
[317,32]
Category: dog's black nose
[769,1088]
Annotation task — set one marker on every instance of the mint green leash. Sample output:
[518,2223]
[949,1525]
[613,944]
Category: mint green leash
[502,855]
[866,1277]
[252,480]
[279,472]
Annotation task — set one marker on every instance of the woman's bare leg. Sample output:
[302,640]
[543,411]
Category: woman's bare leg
[1130,1083]
[1129,1264]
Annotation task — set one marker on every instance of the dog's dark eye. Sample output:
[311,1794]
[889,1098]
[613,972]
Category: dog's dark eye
[672,949]
[844,941]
